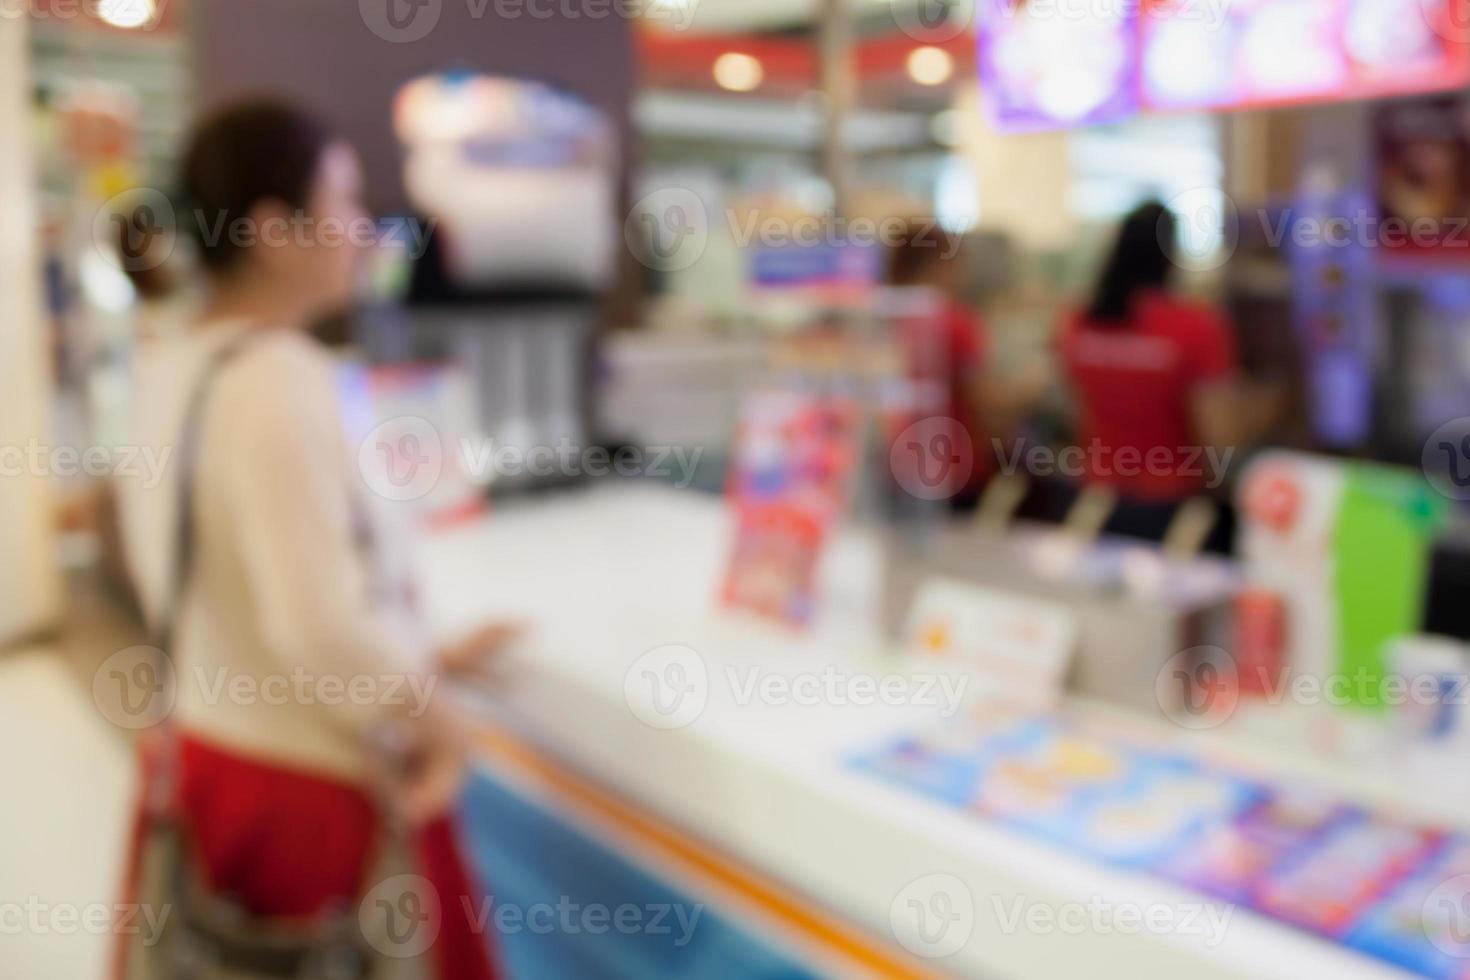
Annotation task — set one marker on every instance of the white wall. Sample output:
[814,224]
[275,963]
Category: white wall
[1025,179]
[30,592]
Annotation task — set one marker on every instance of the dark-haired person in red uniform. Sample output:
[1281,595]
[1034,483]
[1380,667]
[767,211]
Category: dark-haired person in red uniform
[1156,379]
[945,343]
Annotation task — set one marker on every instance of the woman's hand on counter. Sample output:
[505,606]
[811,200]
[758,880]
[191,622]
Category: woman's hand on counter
[475,655]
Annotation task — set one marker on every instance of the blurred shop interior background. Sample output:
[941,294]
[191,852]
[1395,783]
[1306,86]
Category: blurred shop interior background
[654,358]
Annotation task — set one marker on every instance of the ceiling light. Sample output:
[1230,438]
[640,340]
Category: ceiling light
[930,66]
[127,14]
[738,72]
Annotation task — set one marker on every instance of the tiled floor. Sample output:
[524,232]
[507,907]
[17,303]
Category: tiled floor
[67,781]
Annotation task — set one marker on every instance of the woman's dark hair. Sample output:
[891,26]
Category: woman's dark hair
[1142,259]
[241,155]
[921,245]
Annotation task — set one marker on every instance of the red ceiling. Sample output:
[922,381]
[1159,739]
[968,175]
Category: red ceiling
[791,66]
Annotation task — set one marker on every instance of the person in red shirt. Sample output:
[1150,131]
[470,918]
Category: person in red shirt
[957,408]
[1155,378]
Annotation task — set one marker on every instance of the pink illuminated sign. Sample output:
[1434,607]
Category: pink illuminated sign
[1057,63]
[1210,53]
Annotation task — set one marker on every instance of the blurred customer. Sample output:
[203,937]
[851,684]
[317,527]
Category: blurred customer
[291,571]
[1157,384]
[945,343]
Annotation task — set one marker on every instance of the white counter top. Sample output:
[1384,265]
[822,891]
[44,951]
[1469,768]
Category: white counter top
[610,575]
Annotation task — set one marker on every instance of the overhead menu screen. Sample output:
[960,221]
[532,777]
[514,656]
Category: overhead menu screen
[1231,53]
[1058,63]
[1054,63]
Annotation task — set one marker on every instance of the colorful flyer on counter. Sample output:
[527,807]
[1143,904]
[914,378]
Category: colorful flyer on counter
[1231,860]
[795,453]
[1118,803]
[773,570]
[1161,814]
[1331,885]
[1387,888]
[1111,801]
[1432,904]
[1043,783]
[948,763]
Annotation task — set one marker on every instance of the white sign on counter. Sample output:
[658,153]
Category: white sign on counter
[1021,644]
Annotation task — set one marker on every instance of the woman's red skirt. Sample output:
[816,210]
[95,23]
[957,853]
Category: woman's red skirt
[283,843]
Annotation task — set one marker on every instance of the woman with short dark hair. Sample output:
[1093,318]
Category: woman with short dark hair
[268,562]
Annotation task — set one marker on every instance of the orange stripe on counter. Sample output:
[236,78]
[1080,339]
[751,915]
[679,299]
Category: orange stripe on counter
[811,926]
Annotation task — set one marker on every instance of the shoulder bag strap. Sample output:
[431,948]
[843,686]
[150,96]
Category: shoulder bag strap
[181,562]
